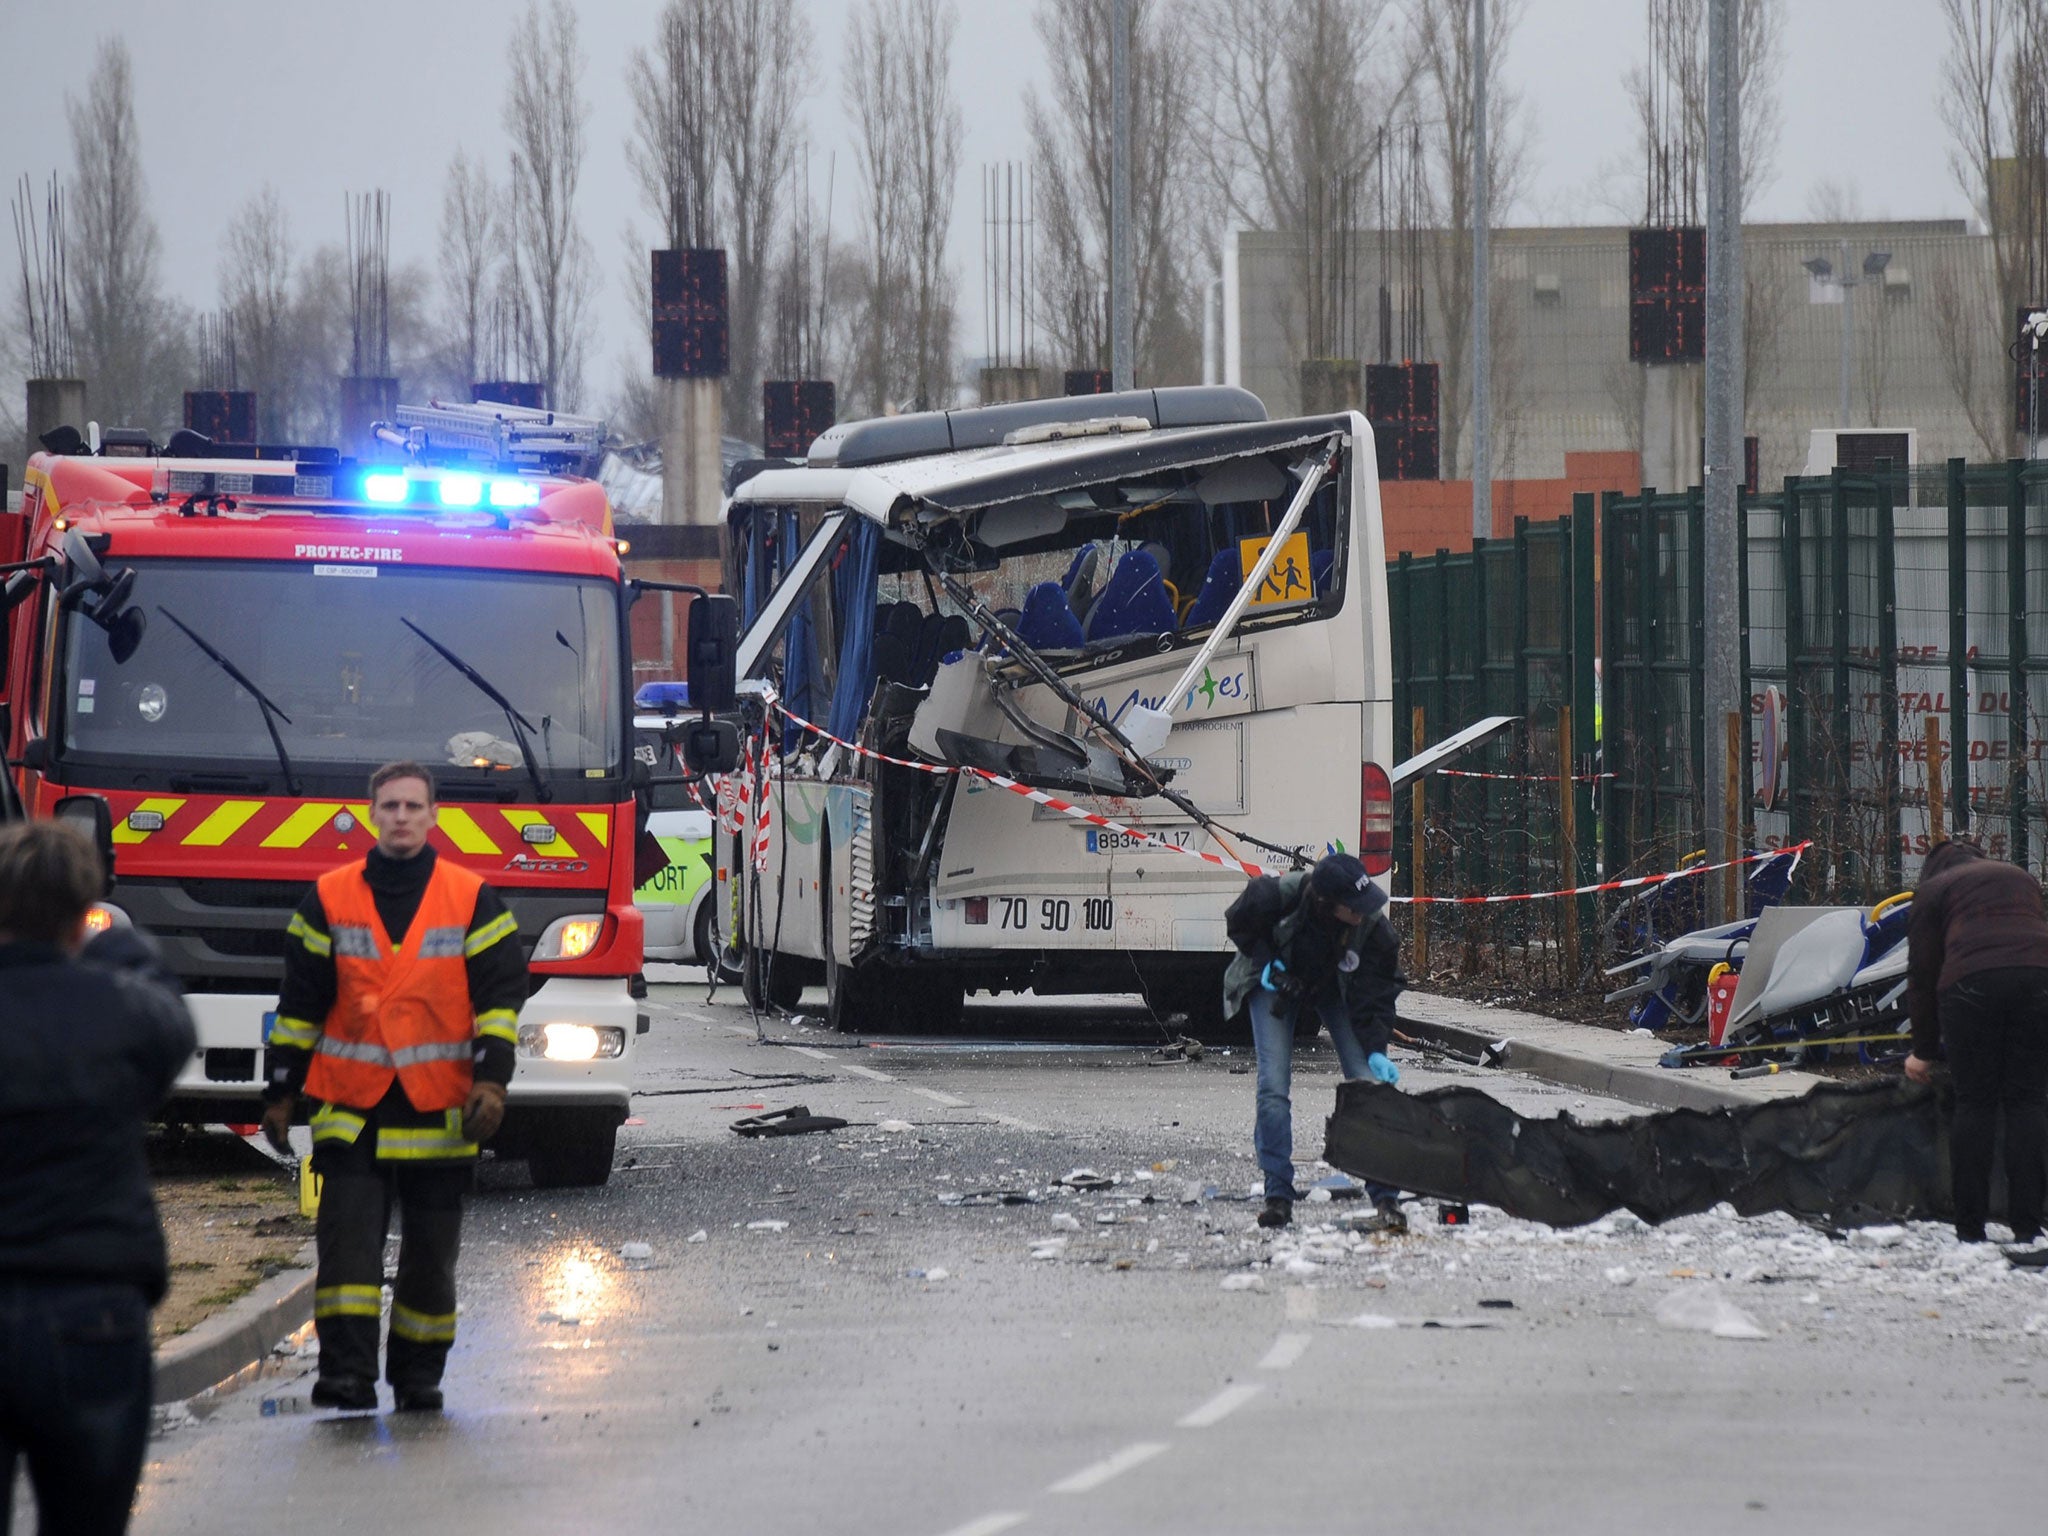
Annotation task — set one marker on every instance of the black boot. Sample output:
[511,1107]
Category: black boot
[352,1394]
[417,1399]
[1278,1212]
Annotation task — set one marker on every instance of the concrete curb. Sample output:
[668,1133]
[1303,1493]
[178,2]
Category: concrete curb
[1606,1062]
[1659,1087]
[238,1336]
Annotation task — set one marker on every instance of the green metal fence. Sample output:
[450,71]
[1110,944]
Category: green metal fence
[1871,601]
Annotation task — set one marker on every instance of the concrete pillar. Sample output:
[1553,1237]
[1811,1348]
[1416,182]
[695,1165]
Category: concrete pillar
[692,471]
[1674,424]
[1005,386]
[54,403]
[365,399]
[1331,384]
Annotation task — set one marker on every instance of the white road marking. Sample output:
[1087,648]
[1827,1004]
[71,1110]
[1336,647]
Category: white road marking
[844,1066]
[989,1525]
[1088,1479]
[1287,1349]
[882,1077]
[1222,1405]
[1301,1306]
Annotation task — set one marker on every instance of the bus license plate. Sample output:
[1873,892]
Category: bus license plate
[1052,914]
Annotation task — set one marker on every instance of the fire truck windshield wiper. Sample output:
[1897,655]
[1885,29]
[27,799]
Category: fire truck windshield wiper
[519,723]
[263,700]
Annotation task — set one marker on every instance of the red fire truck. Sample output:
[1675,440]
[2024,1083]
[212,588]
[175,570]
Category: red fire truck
[206,649]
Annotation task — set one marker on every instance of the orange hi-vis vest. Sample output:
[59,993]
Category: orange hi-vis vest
[406,1015]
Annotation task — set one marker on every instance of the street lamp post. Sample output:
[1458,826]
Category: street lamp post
[1846,283]
[2033,331]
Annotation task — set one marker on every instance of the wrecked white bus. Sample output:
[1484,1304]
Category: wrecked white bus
[1037,685]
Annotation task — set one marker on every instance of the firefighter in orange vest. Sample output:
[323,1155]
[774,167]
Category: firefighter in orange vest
[399,1018]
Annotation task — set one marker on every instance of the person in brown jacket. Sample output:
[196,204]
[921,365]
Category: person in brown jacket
[1977,992]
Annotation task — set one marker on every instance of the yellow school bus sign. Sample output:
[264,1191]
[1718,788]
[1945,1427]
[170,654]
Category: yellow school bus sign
[1289,581]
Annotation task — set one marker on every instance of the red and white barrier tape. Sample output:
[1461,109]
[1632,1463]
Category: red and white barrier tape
[1521,778]
[1797,850]
[1039,796]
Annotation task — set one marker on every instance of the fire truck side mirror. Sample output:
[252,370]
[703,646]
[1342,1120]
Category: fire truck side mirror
[710,746]
[90,813]
[713,651]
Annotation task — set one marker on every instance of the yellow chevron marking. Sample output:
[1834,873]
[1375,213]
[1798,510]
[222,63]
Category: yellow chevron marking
[600,825]
[464,833]
[224,823]
[165,806]
[557,848]
[296,828]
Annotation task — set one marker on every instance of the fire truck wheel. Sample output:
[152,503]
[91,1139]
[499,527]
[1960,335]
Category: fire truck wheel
[573,1148]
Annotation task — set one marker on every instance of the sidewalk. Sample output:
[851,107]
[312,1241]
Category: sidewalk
[238,1336]
[1613,1062]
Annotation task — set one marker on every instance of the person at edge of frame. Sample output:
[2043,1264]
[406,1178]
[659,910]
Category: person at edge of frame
[399,1017]
[92,1036]
[1317,939]
[1977,994]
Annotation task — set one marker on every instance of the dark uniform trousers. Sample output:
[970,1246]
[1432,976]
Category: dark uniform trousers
[357,1192]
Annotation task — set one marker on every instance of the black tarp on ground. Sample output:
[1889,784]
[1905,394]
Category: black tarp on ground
[1842,1155]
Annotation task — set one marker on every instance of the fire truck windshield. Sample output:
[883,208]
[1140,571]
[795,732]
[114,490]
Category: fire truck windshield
[354,684]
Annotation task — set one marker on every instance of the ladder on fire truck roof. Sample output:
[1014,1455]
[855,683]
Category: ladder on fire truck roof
[509,436]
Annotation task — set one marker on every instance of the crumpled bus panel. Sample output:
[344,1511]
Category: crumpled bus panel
[1840,1155]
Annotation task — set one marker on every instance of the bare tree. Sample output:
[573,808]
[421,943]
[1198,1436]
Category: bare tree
[674,151]
[1070,138]
[1291,98]
[1442,42]
[544,114]
[1669,96]
[468,261]
[127,336]
[1995,101]
[881,151]
[1966,291]
[256,276]
[766,50]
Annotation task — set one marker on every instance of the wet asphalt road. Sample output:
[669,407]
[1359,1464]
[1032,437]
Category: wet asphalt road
[1071,1373]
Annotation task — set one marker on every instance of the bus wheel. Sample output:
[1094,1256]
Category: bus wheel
[1198,993]
[771,980]
[856,996]
[936,1000]
[710,946]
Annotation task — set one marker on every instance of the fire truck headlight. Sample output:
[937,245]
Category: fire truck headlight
[389,489]
[99,917]
[151,701]
[569,938]
[571,1042]
[461,490]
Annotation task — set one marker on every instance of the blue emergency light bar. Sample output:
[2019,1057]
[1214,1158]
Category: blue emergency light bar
[452,488]
[663,696]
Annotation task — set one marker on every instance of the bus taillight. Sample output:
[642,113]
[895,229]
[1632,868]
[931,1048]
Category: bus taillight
[1376,819]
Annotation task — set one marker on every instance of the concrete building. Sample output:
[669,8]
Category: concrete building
[1926,349]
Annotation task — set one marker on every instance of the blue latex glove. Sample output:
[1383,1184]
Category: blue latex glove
[1271,978]
[1382,1068]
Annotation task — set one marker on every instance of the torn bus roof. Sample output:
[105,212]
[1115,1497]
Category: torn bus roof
[965,480]
[1842,1155]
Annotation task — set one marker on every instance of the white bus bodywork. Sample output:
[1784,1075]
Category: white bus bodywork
[899,889]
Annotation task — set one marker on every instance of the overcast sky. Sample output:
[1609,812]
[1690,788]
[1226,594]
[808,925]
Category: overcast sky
[322,99]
